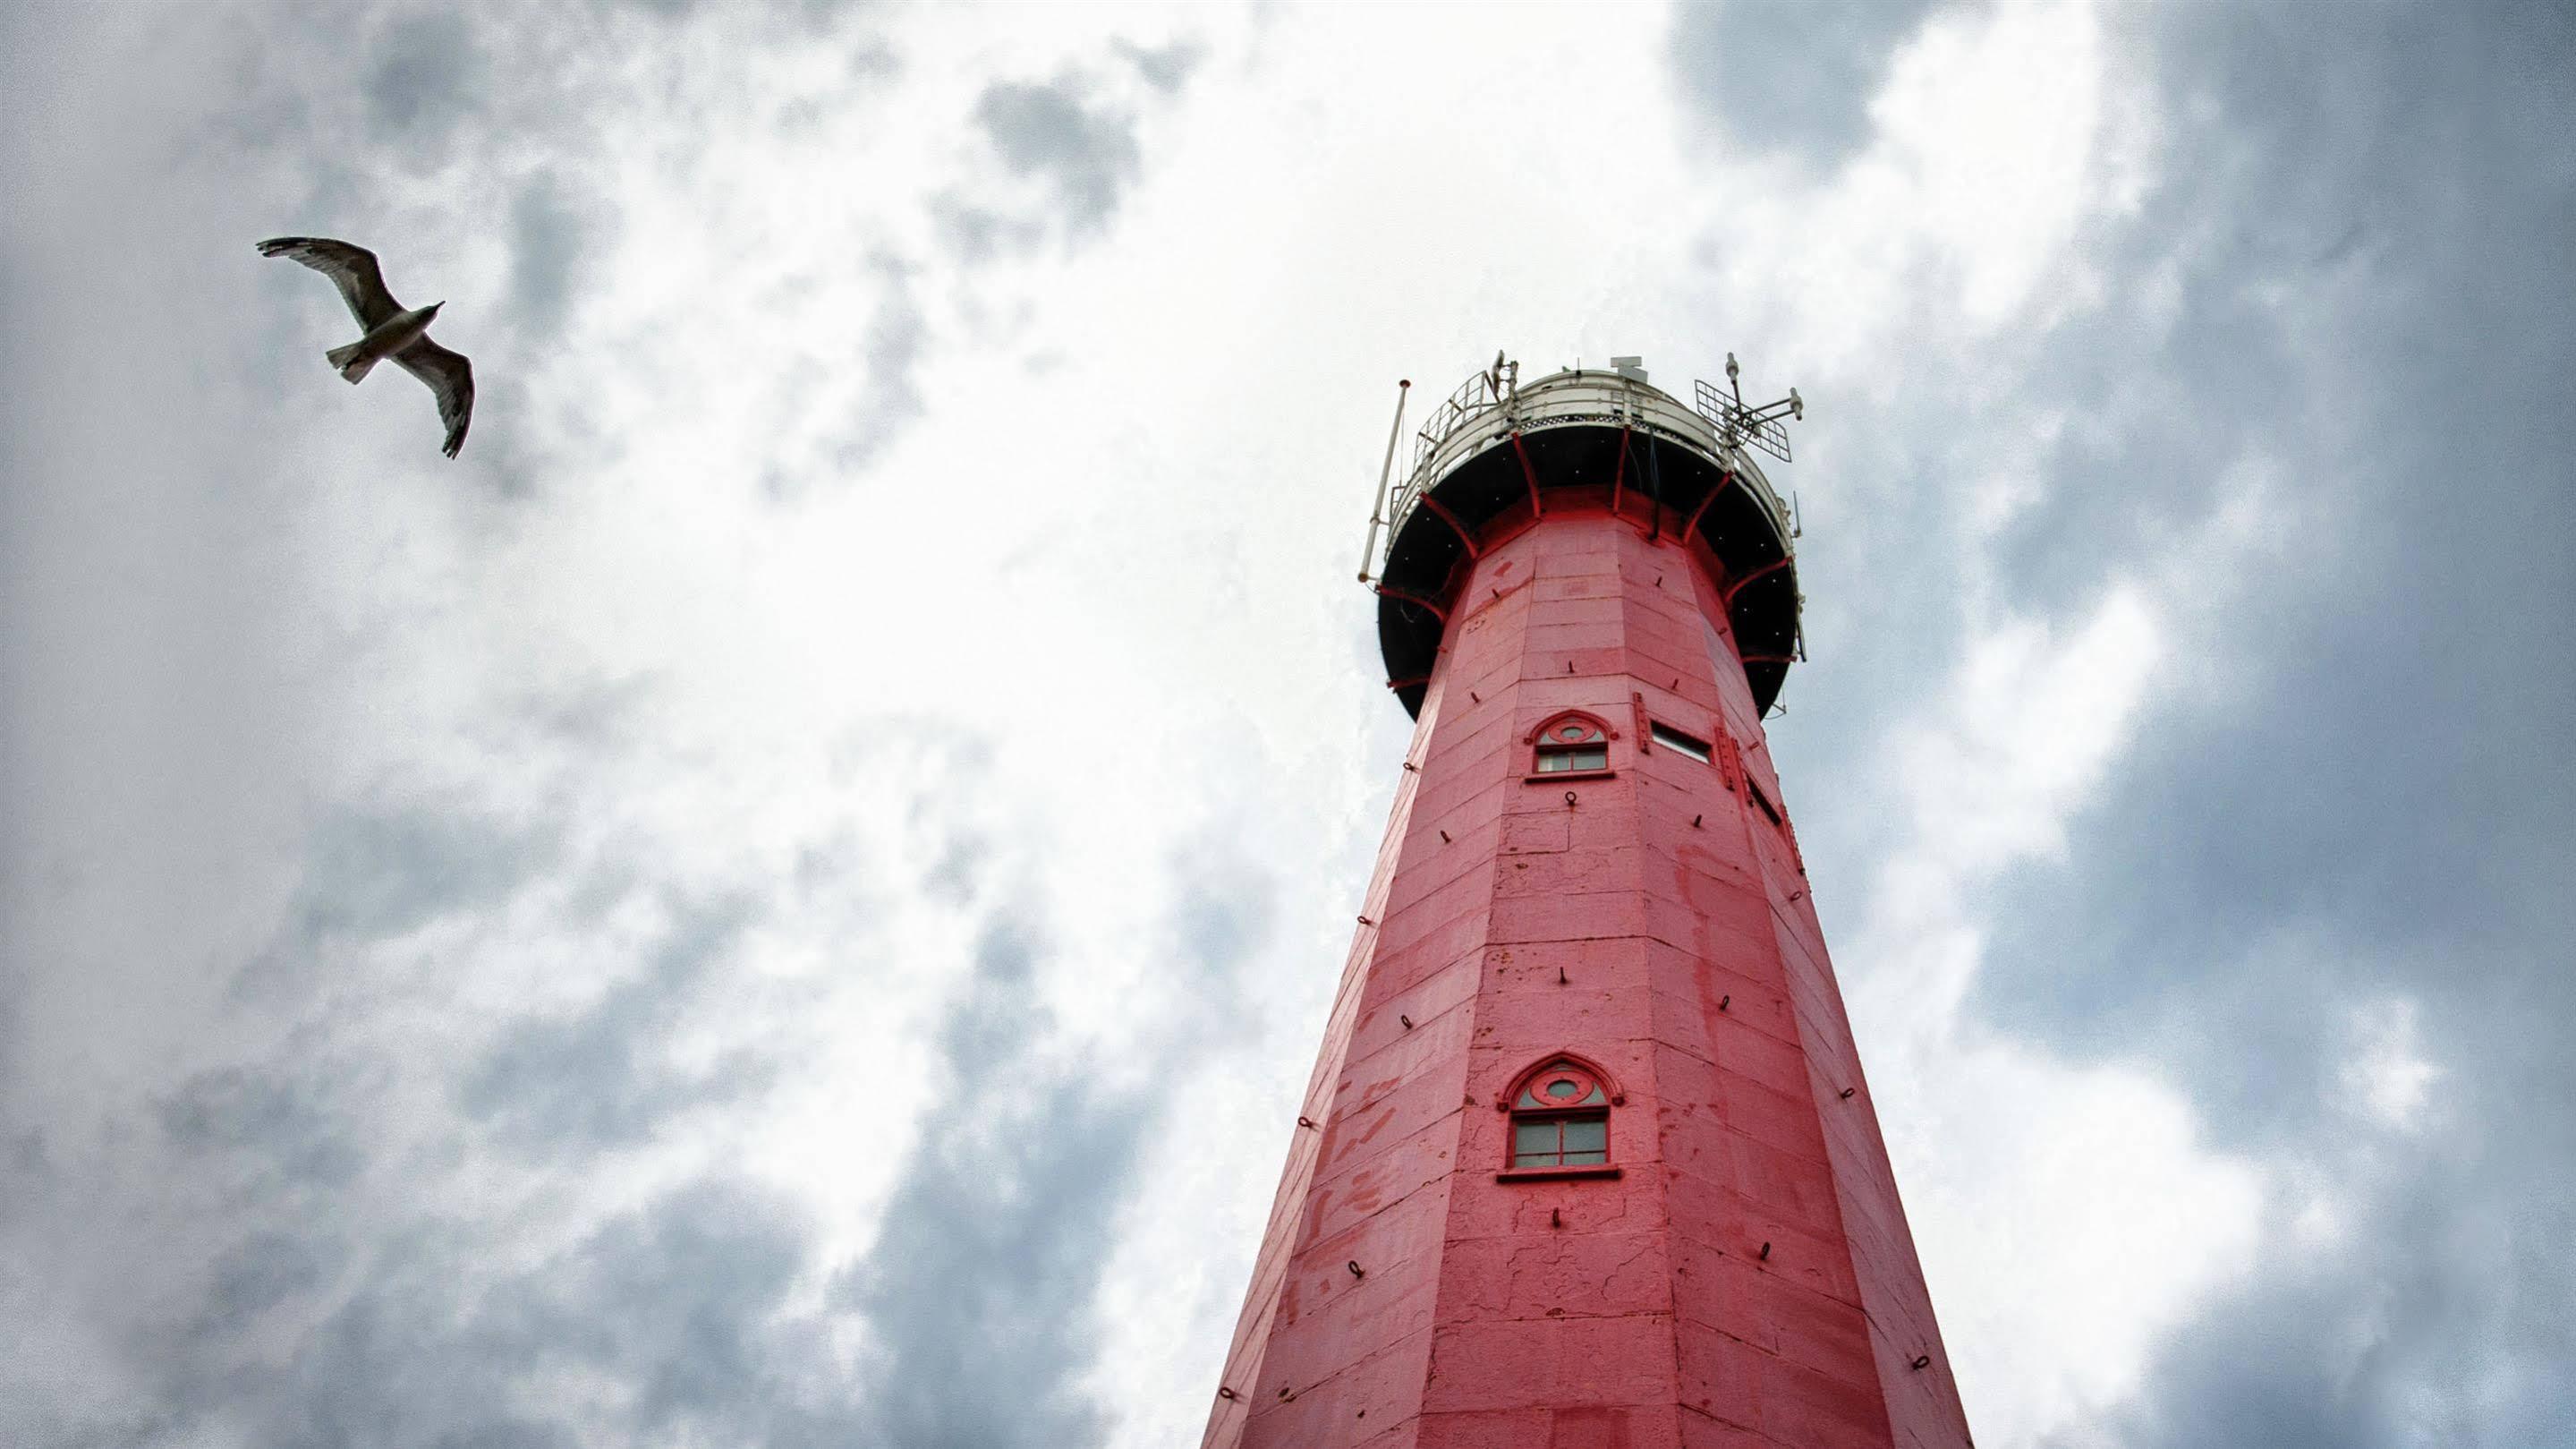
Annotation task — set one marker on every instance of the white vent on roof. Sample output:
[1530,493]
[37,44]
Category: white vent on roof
[1632,368]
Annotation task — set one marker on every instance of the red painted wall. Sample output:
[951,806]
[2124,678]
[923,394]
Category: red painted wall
[1659,926]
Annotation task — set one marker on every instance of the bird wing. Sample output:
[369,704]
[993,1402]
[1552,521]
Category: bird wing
[351,268]
[449,376]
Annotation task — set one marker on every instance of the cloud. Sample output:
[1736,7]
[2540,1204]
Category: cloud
[1085,153]
[988,1262]
[682,1305]
[1068,153]
[550,236]
[1166,68]
[801,874]
[2318,892]
[2293,877]
[598,1078]
[993,1261]
[269,1118]
[1790,76]
[423,81]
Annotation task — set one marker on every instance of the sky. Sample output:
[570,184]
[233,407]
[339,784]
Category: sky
[788,895]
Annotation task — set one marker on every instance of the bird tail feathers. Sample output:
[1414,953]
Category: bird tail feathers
[352,366]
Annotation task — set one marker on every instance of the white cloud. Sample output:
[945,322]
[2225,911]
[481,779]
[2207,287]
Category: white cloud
[2386,1077]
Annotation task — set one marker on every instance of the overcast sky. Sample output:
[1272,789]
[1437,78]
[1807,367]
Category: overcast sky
[787,896]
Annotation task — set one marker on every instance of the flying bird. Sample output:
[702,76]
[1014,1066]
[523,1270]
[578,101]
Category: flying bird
[392,332]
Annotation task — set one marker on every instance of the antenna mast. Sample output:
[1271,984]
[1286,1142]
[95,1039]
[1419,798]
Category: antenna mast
[1738,424]
[1377,514]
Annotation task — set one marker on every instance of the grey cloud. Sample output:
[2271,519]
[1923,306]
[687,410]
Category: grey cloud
[1223,914]
[682,1303]
[958,872]
[423,1331]
[2366,237]
[1082,148]
[2383,806]
[1794,75]
[260,1272]
[422,82]
[887,358]
[372,874]
[2381,811]
[380,874]
[891,352]
[277,1122]
[981,234]
[997,1237]
[1165,68]
[286,1248]
[993,1025]
[552,232]
[994,1239]
[596,1080]
[2443,1320]
[812,12]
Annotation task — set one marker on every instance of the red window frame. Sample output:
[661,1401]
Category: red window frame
[1567,733]
[1528,1103]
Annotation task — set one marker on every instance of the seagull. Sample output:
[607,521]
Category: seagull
[392,332]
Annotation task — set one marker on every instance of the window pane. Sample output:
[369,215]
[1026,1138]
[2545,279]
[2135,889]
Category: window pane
[1681,744]
[1585,1159]
[1550,761]
[1764,801]
[1595,757]
[1562,1088]
[1533,1140]
[1586,1134]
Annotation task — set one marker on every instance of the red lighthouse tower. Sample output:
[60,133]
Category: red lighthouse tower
[1587,1161]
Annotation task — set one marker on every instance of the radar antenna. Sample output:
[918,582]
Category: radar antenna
[1738,425]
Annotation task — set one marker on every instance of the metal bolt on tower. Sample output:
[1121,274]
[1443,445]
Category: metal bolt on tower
[1587,1160]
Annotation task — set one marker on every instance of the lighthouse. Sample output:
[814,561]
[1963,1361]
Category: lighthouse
[1587,1160]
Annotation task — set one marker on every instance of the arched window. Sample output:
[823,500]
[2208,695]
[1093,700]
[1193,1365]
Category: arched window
[1560,1117]
[1572,743]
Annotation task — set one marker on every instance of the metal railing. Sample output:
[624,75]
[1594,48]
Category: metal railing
[1493,404]
[1482,393]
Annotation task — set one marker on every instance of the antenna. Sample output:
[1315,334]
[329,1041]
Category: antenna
[1737,424]
[1377,513]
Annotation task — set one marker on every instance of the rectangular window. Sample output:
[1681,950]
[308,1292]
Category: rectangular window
[1582,1141]
[1762,800]
[1679,743]
[1591,757]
